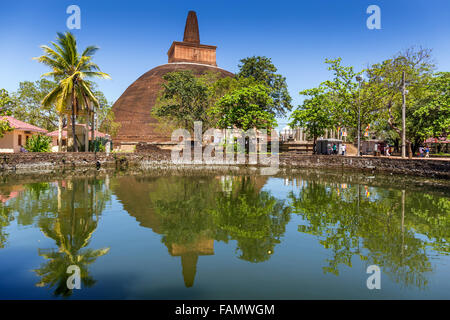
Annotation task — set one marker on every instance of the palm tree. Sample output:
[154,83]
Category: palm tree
[70,69]
[71,227]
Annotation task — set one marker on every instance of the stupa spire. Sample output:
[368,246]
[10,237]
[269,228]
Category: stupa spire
[190,50]
[191,33]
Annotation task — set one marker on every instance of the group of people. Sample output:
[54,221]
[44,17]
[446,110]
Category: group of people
[378,149]
[334,149]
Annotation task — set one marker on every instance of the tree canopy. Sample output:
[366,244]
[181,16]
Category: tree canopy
[251,99]
[375,93]
[315,114]
[242,108]
[263,70]
[183,100]
[6,104]
[70,69]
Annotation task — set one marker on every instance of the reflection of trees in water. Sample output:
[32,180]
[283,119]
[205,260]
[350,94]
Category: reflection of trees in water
[66,211]
[254,218]
[7,213]
[5,219]
[24,203]
[378,225]
[182,204]
[194,211]
[190,209]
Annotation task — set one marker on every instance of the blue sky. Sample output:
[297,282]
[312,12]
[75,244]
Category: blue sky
[134,36]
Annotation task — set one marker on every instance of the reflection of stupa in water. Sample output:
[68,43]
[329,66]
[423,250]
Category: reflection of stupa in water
[189,256]
[134,194]
[140,195]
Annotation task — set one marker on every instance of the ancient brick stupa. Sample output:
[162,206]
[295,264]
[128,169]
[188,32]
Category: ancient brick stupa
[133,109]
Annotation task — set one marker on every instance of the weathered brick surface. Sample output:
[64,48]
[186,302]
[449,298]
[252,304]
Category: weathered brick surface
[133,109]
[36,161]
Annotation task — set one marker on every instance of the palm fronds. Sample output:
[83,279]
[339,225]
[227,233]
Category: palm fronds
[71,70]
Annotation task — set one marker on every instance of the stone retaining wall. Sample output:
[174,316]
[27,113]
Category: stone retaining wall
[71,160]
[419,167]
[33,162]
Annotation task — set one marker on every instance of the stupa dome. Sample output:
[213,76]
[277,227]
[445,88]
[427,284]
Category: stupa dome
[133,109]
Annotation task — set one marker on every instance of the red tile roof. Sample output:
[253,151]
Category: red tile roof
[437,140]
[20,125]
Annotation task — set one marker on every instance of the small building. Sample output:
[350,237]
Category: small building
[325,146]
[80,131]
[373,147]
[13,141]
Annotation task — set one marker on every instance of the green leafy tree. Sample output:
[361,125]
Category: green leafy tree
[243,108]
[71,69]
[314,114]
[350,98]
[385,80]
[432,113]
[183,100]
[264,71]
[28,106]
[6,104]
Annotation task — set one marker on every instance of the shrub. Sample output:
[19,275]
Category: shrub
[98,145]
[38,143]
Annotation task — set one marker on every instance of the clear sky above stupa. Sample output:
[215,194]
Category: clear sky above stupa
[134,36]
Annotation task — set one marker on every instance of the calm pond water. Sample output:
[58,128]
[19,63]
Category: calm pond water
[305,235]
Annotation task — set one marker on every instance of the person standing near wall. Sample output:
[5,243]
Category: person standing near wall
[387,151]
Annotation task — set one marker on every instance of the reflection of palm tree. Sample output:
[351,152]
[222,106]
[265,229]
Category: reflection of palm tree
[72,229]
[54,272]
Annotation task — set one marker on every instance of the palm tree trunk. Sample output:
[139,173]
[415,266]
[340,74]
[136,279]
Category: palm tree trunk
[60,126]
[93,123]
[86,135]
[88,118]
[75,144]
